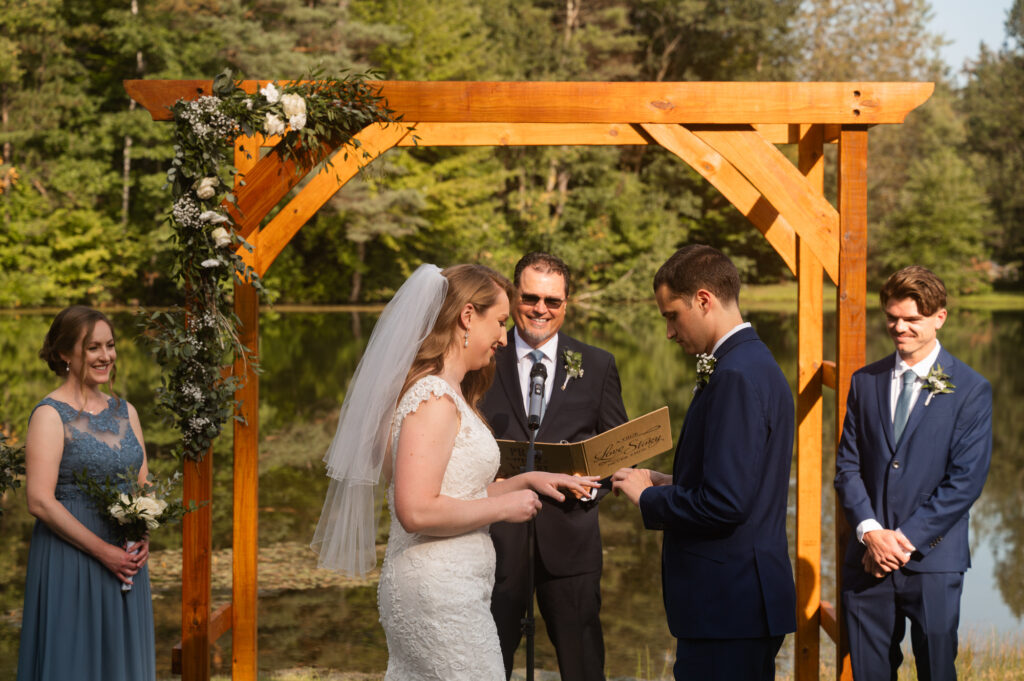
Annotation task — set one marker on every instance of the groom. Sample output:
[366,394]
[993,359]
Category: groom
[583,398]
[914,455]
[726,577]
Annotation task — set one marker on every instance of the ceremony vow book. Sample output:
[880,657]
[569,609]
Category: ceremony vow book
[601,455]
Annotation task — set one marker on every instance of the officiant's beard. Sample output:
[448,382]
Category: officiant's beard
[533,339]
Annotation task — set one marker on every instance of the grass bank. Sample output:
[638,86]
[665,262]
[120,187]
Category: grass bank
[782,298]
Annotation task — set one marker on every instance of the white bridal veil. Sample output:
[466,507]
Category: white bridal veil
[345,536]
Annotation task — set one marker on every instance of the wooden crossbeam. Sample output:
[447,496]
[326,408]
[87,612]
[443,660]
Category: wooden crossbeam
[271,240]
[220,624]
[866,103]
[785,188]
[724,176]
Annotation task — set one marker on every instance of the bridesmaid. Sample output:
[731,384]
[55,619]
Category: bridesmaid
[77,622]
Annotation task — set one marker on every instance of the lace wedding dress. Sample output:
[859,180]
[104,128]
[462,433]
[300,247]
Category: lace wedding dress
[435,592]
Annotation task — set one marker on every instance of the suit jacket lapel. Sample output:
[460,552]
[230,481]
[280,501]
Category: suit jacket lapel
[883,398]
[918,413]
[508,374]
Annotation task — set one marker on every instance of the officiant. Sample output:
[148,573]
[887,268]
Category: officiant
[582,399]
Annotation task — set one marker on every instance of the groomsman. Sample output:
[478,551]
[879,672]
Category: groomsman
[914,455]
[582,398]
[726,577]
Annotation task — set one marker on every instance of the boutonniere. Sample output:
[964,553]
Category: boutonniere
[573,364]
[705,367]
[936,383]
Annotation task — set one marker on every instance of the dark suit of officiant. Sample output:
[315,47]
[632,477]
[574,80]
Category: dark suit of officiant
[727,580]
[568,539]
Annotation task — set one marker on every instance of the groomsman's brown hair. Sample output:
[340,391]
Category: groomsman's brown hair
[917,283]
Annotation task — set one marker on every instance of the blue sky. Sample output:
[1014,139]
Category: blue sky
[967,23]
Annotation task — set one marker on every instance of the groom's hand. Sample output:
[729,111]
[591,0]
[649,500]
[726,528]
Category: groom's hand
[632,482]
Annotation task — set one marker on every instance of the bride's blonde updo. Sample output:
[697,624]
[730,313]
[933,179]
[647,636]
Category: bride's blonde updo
[476,284]
[65,330]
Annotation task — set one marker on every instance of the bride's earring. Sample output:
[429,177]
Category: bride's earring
[67,367]
[465,341]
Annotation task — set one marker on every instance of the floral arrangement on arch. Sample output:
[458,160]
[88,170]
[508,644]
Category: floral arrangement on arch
[312,117]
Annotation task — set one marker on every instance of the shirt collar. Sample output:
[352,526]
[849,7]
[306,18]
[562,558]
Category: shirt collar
[921,368]
[550,348]
[733,331]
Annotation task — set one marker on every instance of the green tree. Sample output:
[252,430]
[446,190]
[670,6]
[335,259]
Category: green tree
[995,136]
[939,222]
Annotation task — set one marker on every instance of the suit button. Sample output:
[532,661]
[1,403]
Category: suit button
[895,464]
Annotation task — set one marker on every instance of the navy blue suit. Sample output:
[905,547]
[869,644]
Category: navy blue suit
[924,486]
[568,539]
[725,560]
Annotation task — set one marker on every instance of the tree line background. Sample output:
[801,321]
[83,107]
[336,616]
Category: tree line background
[82,169]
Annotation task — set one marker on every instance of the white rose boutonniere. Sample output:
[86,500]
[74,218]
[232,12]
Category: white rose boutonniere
[936,383]
[573,365]
[705,367]
[271,93]
[274,125]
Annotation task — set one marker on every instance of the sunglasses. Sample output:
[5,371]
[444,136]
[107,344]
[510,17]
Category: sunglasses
[532,299]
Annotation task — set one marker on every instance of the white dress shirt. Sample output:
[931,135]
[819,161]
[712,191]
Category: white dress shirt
[895,387]
[734,330]
[525,364]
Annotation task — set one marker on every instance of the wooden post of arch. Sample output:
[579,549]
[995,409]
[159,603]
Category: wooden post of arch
[245,530]
[727,132]
[851,316]
[809,427]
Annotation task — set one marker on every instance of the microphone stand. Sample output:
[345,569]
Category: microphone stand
[533,425]
[528,623]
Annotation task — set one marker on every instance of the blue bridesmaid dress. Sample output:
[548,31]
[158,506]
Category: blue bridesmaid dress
[77,623]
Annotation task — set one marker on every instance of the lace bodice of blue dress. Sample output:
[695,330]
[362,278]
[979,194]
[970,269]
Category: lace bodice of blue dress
[77,623]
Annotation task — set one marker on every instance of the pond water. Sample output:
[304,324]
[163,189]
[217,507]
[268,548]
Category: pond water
[307,360]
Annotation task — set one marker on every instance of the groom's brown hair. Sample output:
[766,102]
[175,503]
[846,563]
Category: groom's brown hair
[699,266]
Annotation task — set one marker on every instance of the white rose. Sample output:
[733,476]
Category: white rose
[298,121]
[206,187]
[152,524]
[271,93]
[213,217]
[149,508]
[293,105]
[211,262]
[221,237]
[274,125]
[120,508]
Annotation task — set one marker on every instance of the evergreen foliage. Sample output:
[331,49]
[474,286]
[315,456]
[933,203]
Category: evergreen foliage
[83,172]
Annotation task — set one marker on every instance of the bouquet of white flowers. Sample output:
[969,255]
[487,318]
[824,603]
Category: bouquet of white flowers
[138,510]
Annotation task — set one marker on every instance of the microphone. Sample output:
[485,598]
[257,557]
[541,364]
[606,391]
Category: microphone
[538,375]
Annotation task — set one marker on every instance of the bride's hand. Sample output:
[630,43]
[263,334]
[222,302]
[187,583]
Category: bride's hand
[522,505]
[549,483]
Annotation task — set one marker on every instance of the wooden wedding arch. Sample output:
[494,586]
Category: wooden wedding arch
[728,132]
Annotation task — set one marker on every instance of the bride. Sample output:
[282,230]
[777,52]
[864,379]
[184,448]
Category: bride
[414,394]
